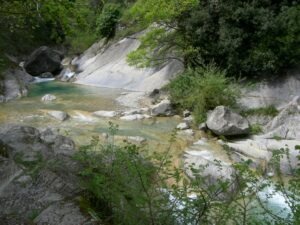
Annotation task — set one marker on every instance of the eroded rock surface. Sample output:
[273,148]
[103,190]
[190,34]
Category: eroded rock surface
[38,181]
[286,125]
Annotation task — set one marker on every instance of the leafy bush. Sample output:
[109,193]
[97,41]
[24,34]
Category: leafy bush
[124,185]
[203,89]
[121,185]
[107,21]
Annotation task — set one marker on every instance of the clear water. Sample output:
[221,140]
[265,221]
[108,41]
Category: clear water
[79,102]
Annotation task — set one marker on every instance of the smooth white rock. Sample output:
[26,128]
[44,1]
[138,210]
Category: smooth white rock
[107,114]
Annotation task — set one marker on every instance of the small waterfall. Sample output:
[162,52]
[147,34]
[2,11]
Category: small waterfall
[41,80]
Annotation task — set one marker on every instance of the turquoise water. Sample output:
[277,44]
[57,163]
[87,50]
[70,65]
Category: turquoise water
[80,102]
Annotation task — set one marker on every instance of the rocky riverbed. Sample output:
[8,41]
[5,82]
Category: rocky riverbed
[38,174]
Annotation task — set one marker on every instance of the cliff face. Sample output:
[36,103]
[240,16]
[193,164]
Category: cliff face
[106,66]
[277,92]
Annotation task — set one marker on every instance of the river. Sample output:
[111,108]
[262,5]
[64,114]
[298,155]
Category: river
[80,102]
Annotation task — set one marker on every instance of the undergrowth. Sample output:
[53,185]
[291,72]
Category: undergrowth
[125,184]
[262,111]
[203,89]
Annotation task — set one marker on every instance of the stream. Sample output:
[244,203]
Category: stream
[80,102]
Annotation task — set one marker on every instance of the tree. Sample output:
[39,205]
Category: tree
[242,37]
[162,42]
[26,24]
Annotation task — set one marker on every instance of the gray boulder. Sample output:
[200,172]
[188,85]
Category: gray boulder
[48,98]
[14,84]
[162,109]
[59,115]
[183,126]
[222,121]
[42,60]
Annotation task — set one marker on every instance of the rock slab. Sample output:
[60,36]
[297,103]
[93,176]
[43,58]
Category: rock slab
[43,196]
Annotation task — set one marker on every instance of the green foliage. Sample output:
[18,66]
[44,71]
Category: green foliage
[256,129]
[119,185]
[124,185]
[3,150]
[262,111]
[161,42]
[33,168]
[107,20]
[55,18]
[244,37]
[150,11]
[155,48]
[81,41]
[27,24]
[203,89]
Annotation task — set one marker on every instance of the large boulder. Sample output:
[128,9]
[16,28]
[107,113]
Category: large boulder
[59,115]
[14,84]
[222,121]
[38,181]
[162,109]
[42,60]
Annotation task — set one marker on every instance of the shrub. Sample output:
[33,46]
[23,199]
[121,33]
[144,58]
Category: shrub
[123,185]
[203,89]
[262,111]
[107,21]
[255,129]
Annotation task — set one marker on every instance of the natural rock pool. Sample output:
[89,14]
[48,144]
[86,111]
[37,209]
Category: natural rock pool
[80,102]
